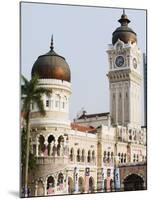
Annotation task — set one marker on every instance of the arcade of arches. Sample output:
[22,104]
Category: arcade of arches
[58,184]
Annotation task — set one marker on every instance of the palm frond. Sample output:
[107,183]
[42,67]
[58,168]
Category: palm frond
[26,105]
[23,89]
[31,93]
[25,80]
[38,100]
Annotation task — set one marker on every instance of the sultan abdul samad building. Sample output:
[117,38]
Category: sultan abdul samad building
[97,152]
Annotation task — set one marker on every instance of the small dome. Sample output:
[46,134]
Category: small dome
[124,33]
[51,66]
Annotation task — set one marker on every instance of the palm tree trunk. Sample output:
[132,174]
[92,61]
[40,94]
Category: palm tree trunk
[27,153]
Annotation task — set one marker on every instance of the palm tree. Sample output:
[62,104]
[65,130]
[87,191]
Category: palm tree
[31,93]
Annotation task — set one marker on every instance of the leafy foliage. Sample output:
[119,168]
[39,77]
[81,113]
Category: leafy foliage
[32,159]
[31,94]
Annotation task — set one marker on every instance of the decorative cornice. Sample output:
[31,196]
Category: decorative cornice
[124,75]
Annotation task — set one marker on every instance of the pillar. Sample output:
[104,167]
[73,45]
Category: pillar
[76,184]
[46,148]
[36,187]
[50,149]
[102,181]
[67,183]
[61,149]
[45,187]
[37,147]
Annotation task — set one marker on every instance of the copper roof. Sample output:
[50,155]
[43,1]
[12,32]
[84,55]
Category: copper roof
[51,66]
[78,127]
[124,33]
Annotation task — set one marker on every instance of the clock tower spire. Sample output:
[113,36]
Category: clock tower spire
[124,76]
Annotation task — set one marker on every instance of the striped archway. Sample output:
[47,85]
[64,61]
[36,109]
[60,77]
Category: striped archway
[133,182]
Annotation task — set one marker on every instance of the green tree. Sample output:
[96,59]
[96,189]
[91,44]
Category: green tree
[31,94]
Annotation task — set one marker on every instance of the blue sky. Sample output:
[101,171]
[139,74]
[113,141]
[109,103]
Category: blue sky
[81,35]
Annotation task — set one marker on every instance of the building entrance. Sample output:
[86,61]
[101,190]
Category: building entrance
[133,182]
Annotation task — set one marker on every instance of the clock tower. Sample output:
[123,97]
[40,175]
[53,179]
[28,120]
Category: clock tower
[124,76]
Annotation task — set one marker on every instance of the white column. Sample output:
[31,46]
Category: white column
[37,147]
[76,184]
[55,145]
[36,187]
[66,183]
[61,149]
[50,149]
[46,148]
[123,102]
[55,185]
[116,102]
[45,187]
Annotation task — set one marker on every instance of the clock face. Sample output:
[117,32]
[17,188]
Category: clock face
[119,61]
[134,63]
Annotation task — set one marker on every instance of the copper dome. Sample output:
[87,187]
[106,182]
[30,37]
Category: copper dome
[51,66]
[124,33]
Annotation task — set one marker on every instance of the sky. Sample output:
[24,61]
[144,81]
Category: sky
[81,35]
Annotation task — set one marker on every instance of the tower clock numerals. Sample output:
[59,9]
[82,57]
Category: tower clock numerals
[134,63]
[119,61]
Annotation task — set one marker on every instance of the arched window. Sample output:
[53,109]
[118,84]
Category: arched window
[104,157]
[108,156]
[112,156]
[93,156]
[60,179]
[47,103]
[89,156]
[137,158]
[130,134]
[83,155]
[125,158]
[71,154]
[122,158]
[57,102]
[41,145]
[64,102]
[50,185]
[51,139]
[78,155]
[60,145]
[119,156]
[134,157]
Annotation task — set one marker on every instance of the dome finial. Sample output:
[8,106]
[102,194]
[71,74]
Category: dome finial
[123,11]
[52,47]
[124,21]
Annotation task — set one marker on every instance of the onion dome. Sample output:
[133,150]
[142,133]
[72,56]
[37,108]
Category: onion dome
[51,66]
[124,33]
